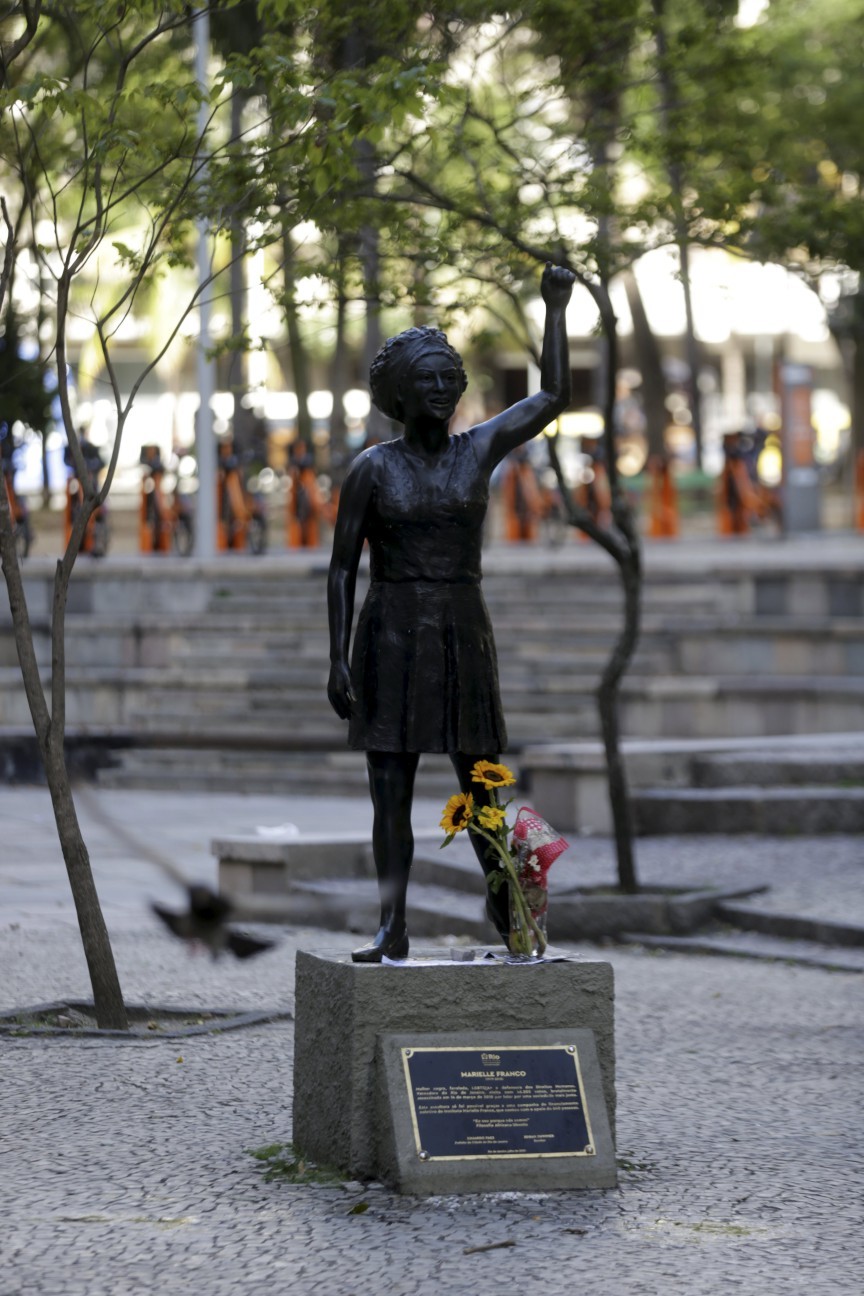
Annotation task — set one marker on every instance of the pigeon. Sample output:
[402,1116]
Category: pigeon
[205,923]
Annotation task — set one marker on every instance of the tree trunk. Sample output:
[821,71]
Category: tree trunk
[622,544]
[377,425]
[41,317]
[296,348]
[107,994]
[691,344]
[676,184]
[608,705]
[339,386]
[857,367]
[238,363]
[627,553]
[50,729]
[357,50]
[651,368]
[855,347]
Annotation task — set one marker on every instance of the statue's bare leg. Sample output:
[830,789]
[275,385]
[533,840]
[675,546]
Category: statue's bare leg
[391,784]
[497,902]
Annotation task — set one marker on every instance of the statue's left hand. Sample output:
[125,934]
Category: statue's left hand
[339,689]
[556,285]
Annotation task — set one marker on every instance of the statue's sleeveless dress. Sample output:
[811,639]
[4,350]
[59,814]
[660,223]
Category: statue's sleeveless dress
[424,668]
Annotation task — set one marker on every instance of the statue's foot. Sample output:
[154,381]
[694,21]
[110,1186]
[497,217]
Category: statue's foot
[389,943]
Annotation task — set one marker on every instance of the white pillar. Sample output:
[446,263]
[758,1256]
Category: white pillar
[734,386]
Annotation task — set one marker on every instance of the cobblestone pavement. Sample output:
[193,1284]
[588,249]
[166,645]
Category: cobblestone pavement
[126,1165]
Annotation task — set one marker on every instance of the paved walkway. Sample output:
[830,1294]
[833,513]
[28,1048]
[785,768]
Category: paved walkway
[135,838]
[125,1165]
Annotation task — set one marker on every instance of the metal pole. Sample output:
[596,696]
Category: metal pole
[205,445]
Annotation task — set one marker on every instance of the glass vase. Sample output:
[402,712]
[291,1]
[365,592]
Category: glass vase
[528,936]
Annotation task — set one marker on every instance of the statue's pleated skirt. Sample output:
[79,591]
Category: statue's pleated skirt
[425,671]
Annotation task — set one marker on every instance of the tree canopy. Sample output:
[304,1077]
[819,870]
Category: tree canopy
[439,156]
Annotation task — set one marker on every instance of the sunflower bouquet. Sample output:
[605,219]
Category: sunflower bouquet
[525,852]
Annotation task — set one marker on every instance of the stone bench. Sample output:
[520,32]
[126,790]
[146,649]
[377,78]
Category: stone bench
[266,865]
[568,783]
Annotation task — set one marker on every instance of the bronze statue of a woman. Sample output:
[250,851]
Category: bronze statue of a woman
[423,675]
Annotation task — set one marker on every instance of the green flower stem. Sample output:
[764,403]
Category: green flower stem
[516,892]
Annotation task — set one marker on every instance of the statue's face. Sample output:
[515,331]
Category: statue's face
[431,388]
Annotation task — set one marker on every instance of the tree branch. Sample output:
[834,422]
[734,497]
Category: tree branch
[31,13]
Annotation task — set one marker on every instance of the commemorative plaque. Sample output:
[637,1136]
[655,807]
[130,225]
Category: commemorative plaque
[472,1113]
[498,1101]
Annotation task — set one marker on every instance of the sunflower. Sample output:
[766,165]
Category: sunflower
[491,817]
[458,812]
[492,776]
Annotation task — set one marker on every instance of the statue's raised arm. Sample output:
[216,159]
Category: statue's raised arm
[503,433]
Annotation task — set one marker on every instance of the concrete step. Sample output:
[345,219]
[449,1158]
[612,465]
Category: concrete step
[290,773]
[224,772]
[818,577]
[772,647]
[815,767]
[756,946]
[269,615]
[503,598]
[767,646]
[568,783]
[744,648]
[752,916]
[651,707]
[534,618]
[289,668]
[742,707]
[206,649]
[776,810]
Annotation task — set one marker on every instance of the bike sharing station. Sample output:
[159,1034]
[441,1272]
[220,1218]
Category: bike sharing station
[437,1075]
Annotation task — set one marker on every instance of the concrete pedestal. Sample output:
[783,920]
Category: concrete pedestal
[343,1011]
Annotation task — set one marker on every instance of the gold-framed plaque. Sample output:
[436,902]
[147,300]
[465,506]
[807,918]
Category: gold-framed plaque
[492,1110]
[500,1101]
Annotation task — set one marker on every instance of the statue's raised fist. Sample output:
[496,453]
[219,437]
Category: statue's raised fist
[557,285]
